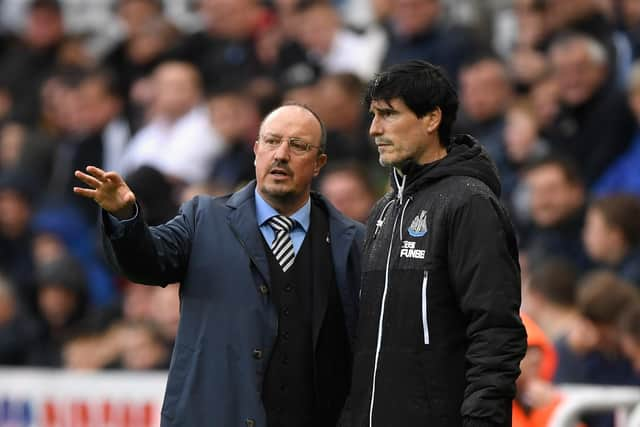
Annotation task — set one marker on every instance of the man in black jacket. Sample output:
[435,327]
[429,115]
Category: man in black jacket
[439,339]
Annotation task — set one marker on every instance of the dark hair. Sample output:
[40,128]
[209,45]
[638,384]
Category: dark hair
[52,5]
[480,56]
[622,211]
[423,87]
[556,280]
[108,79]
[566,164]
[602,296]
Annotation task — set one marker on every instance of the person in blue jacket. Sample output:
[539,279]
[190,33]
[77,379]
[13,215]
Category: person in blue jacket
[268,285]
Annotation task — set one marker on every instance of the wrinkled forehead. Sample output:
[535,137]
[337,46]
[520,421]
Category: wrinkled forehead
[291,121]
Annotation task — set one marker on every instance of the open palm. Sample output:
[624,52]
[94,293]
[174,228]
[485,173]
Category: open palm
[108,190]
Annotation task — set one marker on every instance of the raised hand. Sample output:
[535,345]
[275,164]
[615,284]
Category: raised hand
[108,190]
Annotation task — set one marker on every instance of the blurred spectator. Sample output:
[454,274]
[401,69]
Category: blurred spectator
[348,187]
[594,124]
[335,47]
[165,313]
[417,31]
[630,24]
[60,229]
[591,353]
[557,200]
[549,297]
[225,51]
[179,140]
[519,34]
[338,101]
[485,93]
[624,174]
[17,330]
[100,140]
[73,52]
[521,144]
[236,116]
[59,115]
[592,17]
[142,347]
[27,62]
[137,301]
[91,351]
[536,398]
[629,326]
[148,35]
[24,148]
[545,96]
[155,194]
[16,209]
[62,306]
[612,235]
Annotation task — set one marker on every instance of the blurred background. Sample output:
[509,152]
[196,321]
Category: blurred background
[171,95]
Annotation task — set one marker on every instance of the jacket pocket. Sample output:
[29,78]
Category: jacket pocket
[425,321]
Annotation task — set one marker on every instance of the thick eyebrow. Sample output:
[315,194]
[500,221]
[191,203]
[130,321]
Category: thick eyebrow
[389,109]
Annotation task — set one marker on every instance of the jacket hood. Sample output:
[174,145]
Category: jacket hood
[465,157]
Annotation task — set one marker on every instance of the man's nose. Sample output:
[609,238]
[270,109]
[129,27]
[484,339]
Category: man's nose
[282,152]
[375,128]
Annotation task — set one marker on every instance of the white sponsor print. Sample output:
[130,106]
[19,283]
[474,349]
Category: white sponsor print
[408,250]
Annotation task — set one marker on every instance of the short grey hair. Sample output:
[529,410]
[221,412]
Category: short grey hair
[595,49]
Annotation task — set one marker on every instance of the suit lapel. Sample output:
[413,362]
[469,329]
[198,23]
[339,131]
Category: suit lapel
[322,270]
[243,222]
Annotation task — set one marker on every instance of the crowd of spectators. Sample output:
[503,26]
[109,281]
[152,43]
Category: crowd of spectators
[551,88]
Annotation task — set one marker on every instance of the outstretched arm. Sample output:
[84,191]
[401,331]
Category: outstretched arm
[151,255]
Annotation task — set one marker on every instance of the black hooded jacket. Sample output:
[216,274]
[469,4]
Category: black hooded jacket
[439,339]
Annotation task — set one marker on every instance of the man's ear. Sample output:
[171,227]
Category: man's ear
[431,120]
[321,160]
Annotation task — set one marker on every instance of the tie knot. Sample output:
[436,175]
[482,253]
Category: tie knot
[281,223]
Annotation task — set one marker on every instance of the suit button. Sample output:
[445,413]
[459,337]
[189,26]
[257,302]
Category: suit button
[285,336]
[257,354]
[285,312]
[288,288]
[250,422]
[264,290]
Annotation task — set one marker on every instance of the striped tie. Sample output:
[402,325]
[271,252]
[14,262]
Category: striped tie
[282,246]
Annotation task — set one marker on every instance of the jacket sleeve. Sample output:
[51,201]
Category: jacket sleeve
[150,255]
[483,266]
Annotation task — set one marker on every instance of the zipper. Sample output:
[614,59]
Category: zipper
[380,322]
[425,322]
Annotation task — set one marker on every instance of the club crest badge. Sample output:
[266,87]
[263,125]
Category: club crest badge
[418,227]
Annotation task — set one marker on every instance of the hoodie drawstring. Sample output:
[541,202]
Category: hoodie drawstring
[402,215]
[398,184]
[380,220]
